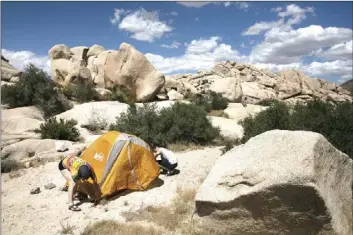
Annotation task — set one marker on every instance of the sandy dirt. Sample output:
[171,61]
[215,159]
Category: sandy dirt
[46,212]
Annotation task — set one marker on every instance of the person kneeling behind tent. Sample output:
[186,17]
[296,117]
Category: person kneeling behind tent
[74,169]
[169,160]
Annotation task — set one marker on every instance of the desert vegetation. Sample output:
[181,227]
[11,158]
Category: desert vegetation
[334,121]
[178,123]
[35,87]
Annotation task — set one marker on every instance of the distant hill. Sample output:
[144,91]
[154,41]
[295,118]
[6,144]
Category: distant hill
[348,85]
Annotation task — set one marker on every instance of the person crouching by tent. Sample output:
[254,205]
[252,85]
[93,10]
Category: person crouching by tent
[169,160]
[75,170]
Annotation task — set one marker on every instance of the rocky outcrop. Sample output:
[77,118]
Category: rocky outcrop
[8,72]
[126,67]
[279,182]
[243,82]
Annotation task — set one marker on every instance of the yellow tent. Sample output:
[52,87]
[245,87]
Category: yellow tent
[121,161]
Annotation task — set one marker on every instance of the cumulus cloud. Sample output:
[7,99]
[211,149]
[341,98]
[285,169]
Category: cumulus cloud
[117,14]
[339,51]
[20,59]
[337,68]
[262,26]
[141,24]
[174,44]
[200,54]
[293,13]
[287,46]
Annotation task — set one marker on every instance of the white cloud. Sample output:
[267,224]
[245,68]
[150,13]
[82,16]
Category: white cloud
[20,59]
[338,68]
[283,46]
[294,13]
[241,5]
[175,44]
[143,25]
[276,9]
[200,54]
[338,51]
[260,27]
[194,4]
[202,45]
[227,4]
[117,15]
[243,45]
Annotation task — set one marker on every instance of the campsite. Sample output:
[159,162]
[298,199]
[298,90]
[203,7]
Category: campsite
[154,118]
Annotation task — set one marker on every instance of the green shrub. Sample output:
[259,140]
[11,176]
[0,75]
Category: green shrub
[120,93]
[334,121]
[9,165]
[35,88]
[59,130]
[83,91]
[218,102]
[268,102]
[210,101]
[274,117]
[178,123]
[187,122]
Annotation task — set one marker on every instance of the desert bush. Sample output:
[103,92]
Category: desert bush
[120,93]
[218,102]
[275,117]
[333,121]
[268,102]
[82,90]
[9,165]
[210,101]
[178,123]
[35,88]
[228,143]
[59,130]
[96,122]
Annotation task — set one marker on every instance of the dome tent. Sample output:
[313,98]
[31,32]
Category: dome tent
[121,161]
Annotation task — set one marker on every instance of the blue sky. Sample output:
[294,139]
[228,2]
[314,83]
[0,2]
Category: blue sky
[315,37]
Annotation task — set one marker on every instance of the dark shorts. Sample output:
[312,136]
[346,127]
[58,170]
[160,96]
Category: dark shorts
[61,166]
[164,163]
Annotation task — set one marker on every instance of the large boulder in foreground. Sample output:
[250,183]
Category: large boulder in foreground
[279,182]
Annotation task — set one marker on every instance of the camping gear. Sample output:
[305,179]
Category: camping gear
[120,161]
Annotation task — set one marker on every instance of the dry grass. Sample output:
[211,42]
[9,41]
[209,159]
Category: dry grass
[218,113]
[67,229]
[175,218]
[172,216]
[182,146]
[111,227]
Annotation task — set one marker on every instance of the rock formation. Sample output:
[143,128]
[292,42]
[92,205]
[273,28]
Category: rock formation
[239,82]
[106,68]
[9,74]
[279,182]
